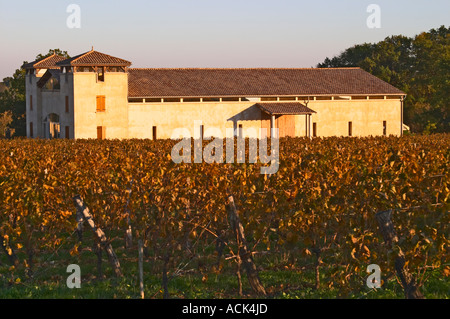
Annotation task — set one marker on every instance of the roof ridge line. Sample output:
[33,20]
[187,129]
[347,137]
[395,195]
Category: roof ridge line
[257,68]
[44,59]
[82,55]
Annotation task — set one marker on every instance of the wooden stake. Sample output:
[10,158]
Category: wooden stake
[80,221]
[99,261]
[141,268]
[99,233]
[244,254]
[128,238]
[391,240]
[165,280]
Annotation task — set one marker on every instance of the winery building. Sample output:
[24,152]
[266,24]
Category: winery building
[95,95]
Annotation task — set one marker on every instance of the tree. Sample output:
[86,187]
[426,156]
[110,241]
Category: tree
[13,98]
[5,120]
[418,66]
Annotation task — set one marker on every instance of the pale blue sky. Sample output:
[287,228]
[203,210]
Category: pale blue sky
[207,33]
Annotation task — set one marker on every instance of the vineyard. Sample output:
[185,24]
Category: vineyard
[126,213]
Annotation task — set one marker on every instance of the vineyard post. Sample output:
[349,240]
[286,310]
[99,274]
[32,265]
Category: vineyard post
[141,267]
[99,233]
[244,255]
[391,240]
[80,221]
[128,233]
[165,279]
[98,250]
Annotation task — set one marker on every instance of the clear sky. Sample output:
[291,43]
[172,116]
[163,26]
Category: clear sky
[207,33]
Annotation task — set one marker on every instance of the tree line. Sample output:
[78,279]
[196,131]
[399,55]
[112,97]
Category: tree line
[419,66]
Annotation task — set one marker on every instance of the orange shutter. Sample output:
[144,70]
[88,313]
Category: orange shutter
[101,103]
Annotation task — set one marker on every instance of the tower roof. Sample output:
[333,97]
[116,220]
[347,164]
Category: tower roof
[45,63]
[94,58]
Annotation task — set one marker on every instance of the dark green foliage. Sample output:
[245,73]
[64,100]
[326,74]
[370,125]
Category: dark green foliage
[419,66]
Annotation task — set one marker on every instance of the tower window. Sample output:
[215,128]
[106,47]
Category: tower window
[350,129]
[314,129]
[384,128]
[154,133]
[101,74]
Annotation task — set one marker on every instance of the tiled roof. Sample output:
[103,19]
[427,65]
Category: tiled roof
[51,73]
[255,82]
[94,58]
[276,108]
[45,63]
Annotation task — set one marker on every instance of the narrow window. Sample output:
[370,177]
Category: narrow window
[384,128]
[154,133]
[314,129]
[350,129]
[67,104]
[101,132]
[241,131]
[101,74]
[202,131]
[31,129]
[31,102]
[67,132]
[101,103]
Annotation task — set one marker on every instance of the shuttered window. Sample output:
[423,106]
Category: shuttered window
[101,103]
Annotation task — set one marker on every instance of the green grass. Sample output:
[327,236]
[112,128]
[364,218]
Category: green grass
[280,273]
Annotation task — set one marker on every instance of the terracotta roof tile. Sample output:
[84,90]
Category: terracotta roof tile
[254,82]
[284,108]
[92,58]
[49,62]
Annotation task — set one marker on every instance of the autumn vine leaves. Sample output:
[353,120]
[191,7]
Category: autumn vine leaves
[320,206]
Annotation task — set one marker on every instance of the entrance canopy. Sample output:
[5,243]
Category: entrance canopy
[282,116]
[285,108]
